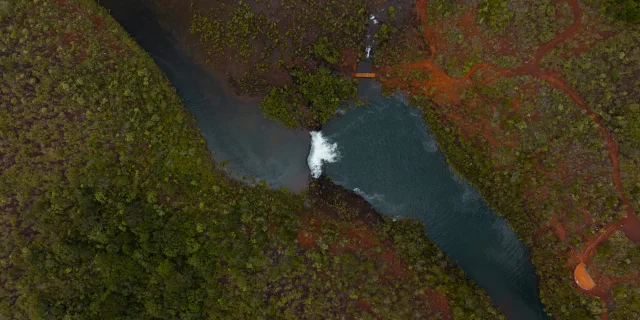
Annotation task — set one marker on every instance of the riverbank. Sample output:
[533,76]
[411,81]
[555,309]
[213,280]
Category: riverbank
[381,273]
[274,53]
[344,192]
[387,155]
[338,46]
[517,119]
[483,99]
[116,209]
[323,193]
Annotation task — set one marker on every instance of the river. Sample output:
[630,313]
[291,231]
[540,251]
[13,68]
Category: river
[382,151]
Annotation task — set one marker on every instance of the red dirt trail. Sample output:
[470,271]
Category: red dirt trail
[448,90]
[631,223]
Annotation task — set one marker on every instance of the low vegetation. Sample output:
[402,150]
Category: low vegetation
[259,38]
[621,10]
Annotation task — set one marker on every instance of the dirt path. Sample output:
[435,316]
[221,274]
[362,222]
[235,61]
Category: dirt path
[532,68]
[444,89]
[569,32]
[613,226]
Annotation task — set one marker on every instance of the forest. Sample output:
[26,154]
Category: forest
[311,102]
[113,208]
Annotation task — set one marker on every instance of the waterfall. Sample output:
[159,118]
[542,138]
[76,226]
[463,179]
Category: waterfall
[322,151]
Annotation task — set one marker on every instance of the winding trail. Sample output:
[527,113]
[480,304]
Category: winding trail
[442,88]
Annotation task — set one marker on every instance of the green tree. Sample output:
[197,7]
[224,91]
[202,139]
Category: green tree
[325,50]
[324,92]
[281,105]
[623,10]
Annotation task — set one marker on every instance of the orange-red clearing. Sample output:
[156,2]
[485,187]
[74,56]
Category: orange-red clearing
[583,278]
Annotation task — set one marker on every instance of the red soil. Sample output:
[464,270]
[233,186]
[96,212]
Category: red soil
[440,303]
[586,253]
[306,238]
[348,60]
[631,225]
[98,22]
[583,278]
[358,237]
[99,26]
[443,89]
[365,305]
[562,36]
[558,229]
[68,38]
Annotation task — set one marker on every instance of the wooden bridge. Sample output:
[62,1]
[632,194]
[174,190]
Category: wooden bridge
[365,75]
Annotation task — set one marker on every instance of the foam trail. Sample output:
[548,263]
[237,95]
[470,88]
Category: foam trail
[369,198]
[322,151]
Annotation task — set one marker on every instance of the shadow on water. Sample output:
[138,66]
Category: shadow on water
[234,129]
[388,156]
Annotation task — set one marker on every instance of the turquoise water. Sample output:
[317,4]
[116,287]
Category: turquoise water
[383,151]
[386,154]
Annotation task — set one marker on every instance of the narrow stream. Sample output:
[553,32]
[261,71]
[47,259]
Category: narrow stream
[383,151]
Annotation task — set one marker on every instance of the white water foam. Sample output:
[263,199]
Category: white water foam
[430,145]
[322,151]
[368,197]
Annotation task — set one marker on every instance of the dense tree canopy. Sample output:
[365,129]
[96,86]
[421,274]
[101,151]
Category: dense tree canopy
[320,94]
[623,10]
